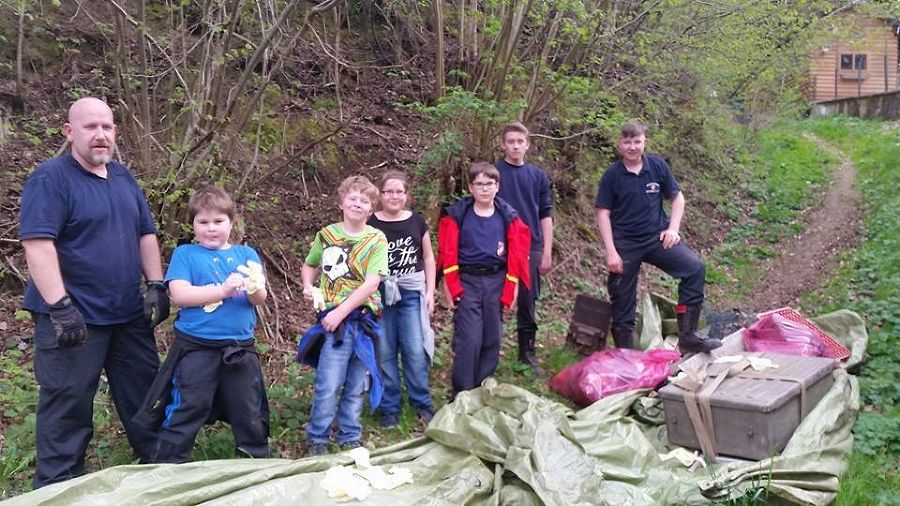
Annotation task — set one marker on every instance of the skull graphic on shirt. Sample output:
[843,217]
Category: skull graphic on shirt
[334,262]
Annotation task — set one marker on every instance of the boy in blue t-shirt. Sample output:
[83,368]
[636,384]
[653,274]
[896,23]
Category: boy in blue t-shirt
[212,368]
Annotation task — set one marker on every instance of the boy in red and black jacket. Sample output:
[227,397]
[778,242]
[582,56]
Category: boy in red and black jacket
[483,250]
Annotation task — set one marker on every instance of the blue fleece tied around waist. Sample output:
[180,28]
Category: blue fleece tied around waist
[362,328]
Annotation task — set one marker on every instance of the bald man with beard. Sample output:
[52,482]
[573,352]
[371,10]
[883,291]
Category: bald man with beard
[89,236]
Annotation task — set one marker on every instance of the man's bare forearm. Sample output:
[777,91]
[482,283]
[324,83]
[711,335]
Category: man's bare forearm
[43,266]
[151,262]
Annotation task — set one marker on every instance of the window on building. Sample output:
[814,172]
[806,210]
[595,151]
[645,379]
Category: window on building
[846,62]
[853,62]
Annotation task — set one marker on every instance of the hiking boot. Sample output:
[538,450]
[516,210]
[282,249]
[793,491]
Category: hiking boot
[349,445]
[527,354]
[316,449]
[688,340]
[623,337]
[425,414]
[390,420]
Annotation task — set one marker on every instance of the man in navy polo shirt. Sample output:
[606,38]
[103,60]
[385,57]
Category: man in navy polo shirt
[527,188]
[634,229]
[88,236]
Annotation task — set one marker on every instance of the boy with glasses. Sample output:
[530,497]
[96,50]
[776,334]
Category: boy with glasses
[483,254]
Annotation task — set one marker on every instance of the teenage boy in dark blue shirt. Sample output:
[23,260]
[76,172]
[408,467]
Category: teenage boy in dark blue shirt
[88,236]
[527,189]
[634,229]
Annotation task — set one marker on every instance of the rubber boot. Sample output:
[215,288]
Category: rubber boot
[688,341]
[623,337]
[527,354]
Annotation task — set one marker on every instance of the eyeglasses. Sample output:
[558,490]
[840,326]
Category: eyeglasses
[393,193]
[484,185]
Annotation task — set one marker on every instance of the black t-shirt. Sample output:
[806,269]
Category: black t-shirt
[404,243]
[635,201]
[482,240]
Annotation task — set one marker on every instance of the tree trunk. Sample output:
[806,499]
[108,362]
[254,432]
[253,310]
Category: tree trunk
[439,83]
[20,44]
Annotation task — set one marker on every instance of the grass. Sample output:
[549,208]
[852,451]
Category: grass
[790,173]
[787,175]
[869,283]
[289,399]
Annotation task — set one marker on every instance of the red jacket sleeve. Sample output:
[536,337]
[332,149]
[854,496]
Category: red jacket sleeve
[448,255]
[518,238]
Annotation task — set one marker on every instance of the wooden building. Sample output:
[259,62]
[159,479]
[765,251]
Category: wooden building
[861,58]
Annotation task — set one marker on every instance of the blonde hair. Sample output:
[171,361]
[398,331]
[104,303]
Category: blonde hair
[360,184]
[515,126]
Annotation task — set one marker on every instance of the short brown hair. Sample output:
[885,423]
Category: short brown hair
[395,175]
[210,198]
[391,175]
[479,168]
[634,129]
[360,184]
[515,126]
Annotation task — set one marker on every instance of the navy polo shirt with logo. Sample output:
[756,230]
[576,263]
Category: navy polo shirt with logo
[96,224]
[635,201]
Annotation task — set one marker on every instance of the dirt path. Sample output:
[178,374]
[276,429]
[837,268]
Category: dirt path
[806,261]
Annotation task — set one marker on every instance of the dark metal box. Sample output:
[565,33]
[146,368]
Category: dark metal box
[753,416]
[589,325]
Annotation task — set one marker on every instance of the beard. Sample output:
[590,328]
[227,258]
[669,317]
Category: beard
[98,160]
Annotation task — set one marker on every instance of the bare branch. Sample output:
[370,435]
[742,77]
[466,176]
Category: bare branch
[567,137]
[138,27]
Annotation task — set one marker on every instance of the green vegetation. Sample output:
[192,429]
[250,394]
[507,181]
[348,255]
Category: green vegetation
[869,283]
[268,104]
[788,174]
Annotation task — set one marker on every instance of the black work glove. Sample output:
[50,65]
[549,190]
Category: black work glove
[68,323]
[156,303]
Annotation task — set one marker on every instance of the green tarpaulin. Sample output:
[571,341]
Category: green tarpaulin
[500,444]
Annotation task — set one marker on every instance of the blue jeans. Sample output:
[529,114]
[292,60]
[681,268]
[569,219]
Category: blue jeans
[340,373]
[403,333]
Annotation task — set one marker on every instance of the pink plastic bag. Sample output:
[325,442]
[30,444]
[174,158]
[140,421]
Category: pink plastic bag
[774,333]
[611,371]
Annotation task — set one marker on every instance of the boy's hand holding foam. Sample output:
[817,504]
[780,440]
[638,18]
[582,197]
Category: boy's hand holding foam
[255,279]
[314,293]
[318,299]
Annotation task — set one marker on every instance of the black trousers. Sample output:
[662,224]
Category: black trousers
[679,262]
[526,321]
[68,378]
[217,382]
[477,330]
